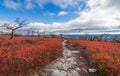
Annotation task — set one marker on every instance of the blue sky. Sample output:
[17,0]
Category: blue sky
[64,16]
[47,13]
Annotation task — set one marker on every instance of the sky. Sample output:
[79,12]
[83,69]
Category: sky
[64,16]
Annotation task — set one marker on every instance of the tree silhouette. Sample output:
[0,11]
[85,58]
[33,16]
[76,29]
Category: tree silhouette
[18,24]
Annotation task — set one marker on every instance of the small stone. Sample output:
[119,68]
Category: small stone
[81,57]
[85,70]
[78,69]
[35,74]
[73,73]
[58,73]
[75,51]
[92,70]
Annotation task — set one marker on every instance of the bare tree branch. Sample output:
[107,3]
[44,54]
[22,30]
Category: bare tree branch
[13,28]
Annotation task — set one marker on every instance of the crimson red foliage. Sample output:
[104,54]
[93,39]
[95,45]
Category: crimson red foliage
[103,52]
[23,53]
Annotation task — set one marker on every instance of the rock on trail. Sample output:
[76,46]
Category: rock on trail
[73,62]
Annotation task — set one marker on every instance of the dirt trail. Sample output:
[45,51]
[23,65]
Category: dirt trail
[73,62]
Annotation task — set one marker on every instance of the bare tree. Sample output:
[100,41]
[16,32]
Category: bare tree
[18,24]
[38,33]
[28,33]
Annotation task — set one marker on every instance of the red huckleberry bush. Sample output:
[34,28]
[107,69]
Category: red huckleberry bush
[22,54]
[107,54]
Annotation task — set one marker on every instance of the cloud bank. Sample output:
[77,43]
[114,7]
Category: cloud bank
[100,15]
[28,4]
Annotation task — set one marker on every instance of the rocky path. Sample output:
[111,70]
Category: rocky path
[73,62]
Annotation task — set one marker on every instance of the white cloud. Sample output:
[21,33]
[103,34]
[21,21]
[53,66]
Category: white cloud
[103,15]
[113,3]
[60,3]
[51,14]
[99,17]
[65,3]
[28,4]
[11,4]
[62,13]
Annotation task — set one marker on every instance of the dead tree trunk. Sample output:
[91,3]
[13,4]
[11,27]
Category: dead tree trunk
[12,34]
